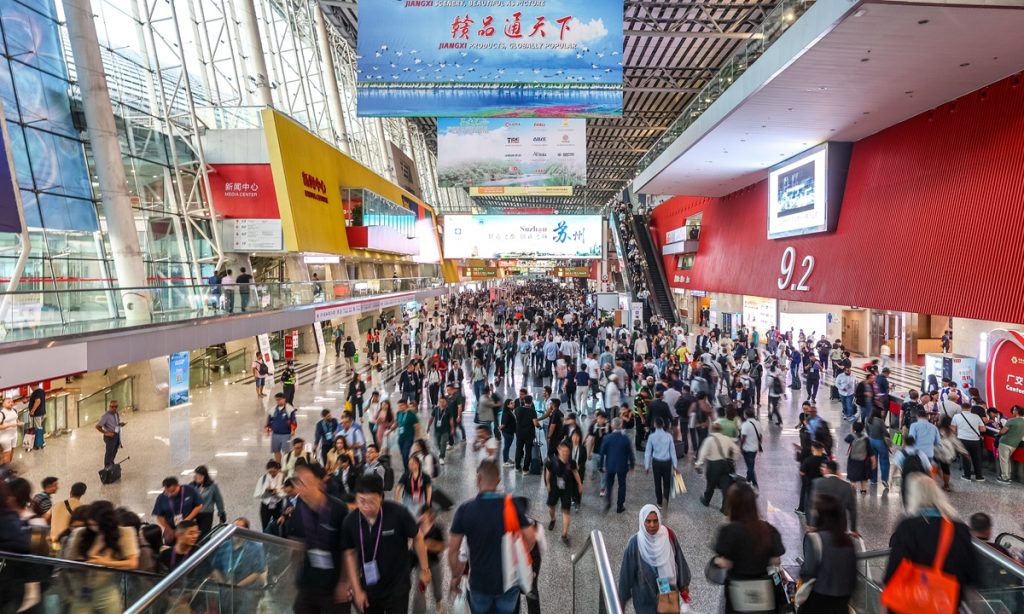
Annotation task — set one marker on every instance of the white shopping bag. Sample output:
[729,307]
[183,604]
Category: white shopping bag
[516,565]
[461,603]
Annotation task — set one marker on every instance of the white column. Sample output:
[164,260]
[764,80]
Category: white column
[255,62]
[331,81]
[106,149]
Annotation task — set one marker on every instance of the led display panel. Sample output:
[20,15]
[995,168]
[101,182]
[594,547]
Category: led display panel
[522,236]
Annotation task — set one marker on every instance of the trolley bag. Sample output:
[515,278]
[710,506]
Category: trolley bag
[536,460]
[680,449]
[111,473]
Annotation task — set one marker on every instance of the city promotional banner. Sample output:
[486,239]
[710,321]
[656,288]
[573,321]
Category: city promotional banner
[522,236]
[499,58]
[177,381]
[517,157]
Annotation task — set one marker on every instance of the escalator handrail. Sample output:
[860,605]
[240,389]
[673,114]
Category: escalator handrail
[201,555]
[655,269]
[52,561]
[986,550]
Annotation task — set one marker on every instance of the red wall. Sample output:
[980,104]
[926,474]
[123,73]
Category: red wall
[244,191]
[931,221]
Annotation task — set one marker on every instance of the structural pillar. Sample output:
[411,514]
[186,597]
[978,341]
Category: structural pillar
[255,61]
[331,81]
[99,115]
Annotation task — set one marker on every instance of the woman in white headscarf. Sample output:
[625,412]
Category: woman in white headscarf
[651,555]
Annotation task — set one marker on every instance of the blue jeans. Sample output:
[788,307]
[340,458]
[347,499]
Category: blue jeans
[882,452]
[748,458]
[505,603]
[478,388]
[865,413]
[848,410]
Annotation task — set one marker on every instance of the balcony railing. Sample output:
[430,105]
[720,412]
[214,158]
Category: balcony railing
[37,314]
[785,14]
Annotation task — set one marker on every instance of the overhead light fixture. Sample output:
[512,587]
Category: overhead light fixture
[860,13]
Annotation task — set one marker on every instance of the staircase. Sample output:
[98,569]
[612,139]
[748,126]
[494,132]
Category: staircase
[661,297]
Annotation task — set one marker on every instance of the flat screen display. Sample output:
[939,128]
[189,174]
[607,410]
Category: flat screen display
[797,195]
[522,236]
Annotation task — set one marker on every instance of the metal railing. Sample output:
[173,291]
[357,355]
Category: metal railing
[92,406]
[785,14]
[1000,582]
[585,577]
[46,313]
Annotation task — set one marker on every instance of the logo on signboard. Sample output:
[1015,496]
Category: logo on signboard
[540,139]
[241,189]
[316,189]
[512,140]
[565,138]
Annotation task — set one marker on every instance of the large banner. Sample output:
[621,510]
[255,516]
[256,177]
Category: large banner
[522,236]
[177,380]
[492,58]
[518,157]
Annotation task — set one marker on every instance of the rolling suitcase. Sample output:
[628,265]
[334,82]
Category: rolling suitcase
[111,473]
[536,460]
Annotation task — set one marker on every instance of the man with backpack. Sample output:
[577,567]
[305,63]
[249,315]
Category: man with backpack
[911,460]
[776,389]
[280,424]
[260,370]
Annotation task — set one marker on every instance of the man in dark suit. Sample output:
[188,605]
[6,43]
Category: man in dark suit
[658,408]
[619,459]
[831,485]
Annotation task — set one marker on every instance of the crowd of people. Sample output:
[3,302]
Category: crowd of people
[635,262]
[596,400]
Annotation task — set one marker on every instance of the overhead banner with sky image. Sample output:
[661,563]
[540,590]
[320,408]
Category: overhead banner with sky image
[517,157]
[503,58]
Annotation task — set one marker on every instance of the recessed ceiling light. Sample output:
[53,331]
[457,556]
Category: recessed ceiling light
[865,59]
[923,21]
[965,64]
[860,13]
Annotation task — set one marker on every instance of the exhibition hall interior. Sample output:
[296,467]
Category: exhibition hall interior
[501,306]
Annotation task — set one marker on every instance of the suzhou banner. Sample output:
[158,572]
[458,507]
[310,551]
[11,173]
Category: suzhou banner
[490,58]
[512,157]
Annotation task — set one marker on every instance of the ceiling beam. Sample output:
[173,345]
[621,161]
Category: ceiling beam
[693,34]
[663,90]
[621,128]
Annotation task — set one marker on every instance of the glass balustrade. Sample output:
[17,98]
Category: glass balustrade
[47,313]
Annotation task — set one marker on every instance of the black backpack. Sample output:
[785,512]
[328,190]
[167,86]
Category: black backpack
[389,473]
[777,385]
[264,369]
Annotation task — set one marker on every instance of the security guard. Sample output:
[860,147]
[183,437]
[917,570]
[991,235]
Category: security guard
[288,379]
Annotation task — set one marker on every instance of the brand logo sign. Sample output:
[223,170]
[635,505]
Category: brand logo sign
[1005,373]
[316,189]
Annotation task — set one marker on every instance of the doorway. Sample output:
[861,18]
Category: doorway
[889,328]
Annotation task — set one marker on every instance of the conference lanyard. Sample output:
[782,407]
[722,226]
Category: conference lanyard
[376,546]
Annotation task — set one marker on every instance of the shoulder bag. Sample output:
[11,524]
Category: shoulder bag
[730,463]
[805,588]
[923,588]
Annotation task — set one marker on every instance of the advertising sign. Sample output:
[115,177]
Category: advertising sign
[177,380]
[528,157]
[263,341]
[1004,376]
[796,197]
[522,236]
[759,312]
[508,58]
[636,316]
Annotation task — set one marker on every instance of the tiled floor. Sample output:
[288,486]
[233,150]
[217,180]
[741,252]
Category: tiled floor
[222,429]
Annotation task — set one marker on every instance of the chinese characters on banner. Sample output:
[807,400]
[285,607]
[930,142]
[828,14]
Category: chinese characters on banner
[522,236]
[507,58]
[512,157]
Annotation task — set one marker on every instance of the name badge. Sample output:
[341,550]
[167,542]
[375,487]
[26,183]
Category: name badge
[370,573]
[560,482]
[178,518]
[320,559]
[664,586]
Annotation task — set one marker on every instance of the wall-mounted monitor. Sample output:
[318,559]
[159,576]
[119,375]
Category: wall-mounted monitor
[806,191]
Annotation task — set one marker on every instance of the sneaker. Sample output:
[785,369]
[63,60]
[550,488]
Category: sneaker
[965,477]
[1002,480]
[551,525]
[442,461]
[885,485]
[979,479]
[508,463]
[565,539]
[602,492]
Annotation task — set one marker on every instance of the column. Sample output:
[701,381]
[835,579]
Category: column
[106,149]
[255,62]
[331,81]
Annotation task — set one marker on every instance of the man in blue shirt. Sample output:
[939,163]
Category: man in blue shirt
[175,504]
[925,434]
[109,425]
[661,454]
[280,425]
[619,459]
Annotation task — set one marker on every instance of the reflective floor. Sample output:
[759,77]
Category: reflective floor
[222,428]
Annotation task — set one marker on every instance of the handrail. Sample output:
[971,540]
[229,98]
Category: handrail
[106,389]
[609,590]
[257,285]
[53,561]
[217,538]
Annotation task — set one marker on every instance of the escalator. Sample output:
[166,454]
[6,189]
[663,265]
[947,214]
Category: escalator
[661,298]
[232,570]
[999,590]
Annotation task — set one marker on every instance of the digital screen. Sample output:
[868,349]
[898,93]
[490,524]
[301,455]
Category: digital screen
[522,236]
[797,191]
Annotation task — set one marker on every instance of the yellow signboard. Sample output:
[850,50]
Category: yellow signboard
[554,190]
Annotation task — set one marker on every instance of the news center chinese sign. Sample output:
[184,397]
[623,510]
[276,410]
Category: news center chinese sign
[512,157]
[522,236]
[490,58]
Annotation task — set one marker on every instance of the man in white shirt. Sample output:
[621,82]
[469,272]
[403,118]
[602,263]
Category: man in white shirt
[227,284]
[716,451]
[846,386]
[750,444]
[968,427]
